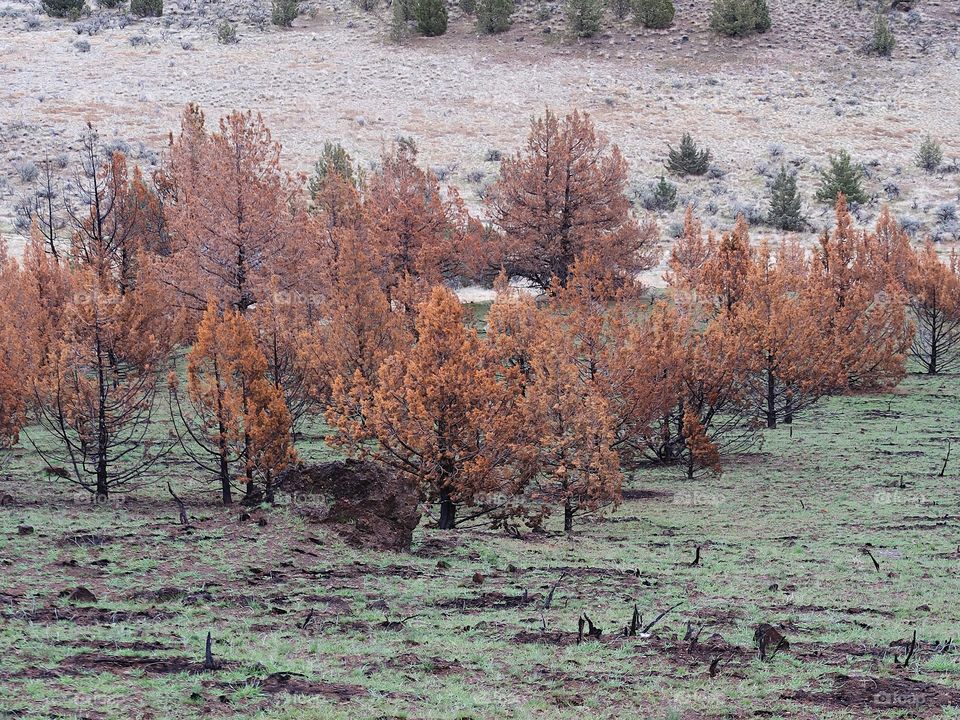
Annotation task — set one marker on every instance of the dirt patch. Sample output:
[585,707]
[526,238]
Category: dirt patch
[878,693]
[83,615]
[101,662]
[640,494]
[296,684]
[490,601]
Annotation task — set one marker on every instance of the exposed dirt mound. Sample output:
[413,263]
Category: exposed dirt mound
[864,691]
[366,503]
[295,684]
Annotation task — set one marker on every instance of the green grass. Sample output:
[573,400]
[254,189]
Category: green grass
[781,531]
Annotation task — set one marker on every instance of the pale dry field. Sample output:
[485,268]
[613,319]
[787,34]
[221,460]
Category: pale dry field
[805,89]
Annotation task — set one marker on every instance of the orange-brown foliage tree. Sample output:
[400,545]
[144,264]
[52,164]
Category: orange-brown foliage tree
[442,412]
[119,220]
[236,219]
[562,198]
[96,386]
[934,288]
[865,313]
[792,360]
[355,330]
[18,345]
[569,429]
[690,254]
[414,228]
[233,420]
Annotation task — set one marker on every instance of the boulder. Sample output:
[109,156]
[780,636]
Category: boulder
[368,504]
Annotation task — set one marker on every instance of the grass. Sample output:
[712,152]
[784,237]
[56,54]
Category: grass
[782,535]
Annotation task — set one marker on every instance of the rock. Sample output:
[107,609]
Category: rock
[369,505]
[82,595]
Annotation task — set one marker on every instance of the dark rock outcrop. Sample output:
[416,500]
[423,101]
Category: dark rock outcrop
[368,504]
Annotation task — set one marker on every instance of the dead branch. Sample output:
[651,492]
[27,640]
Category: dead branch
[660,617]
[180,505]
[209,663]
[945,460]
[549,599]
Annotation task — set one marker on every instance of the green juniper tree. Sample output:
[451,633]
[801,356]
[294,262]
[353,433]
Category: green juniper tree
[584,17]
[883,40]
[688,159]
[146,8]
[843,176]
[785,210]
[63,8]
[664,196]
[284,12]
[493,16]
[930,155]
[431,17]
[656,14]
[334,160]
[738,18]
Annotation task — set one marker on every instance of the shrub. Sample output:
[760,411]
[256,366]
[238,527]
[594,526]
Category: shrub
[493,16]
[664,196]
[146,8]
[843,176]
[620,8]
[584,17]
[930,155]
[883,40]
[63,8]
[655,14]
[400,17]
[689,159]
[737,18]
[333,160]
[469,7]
[284,12]
[227,33]
[431,17]
[110,4]
[785,210]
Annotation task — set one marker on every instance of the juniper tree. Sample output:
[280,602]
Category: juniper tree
[493,16]
[284,12]
[63,8]
[883,40]
[930,155]
[584,17]
[688,159]
[664,196]
[785,211]
[843,176]
[655,14]
[738,18]
[431,17]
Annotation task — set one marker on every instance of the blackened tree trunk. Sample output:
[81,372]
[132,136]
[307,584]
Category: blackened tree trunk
[448,512]
[568,516]
[771,406]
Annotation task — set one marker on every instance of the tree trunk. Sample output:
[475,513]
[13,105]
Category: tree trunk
[771,409]
[567,516]
[448,512]
[932,366]
[788,410]
[225,479]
